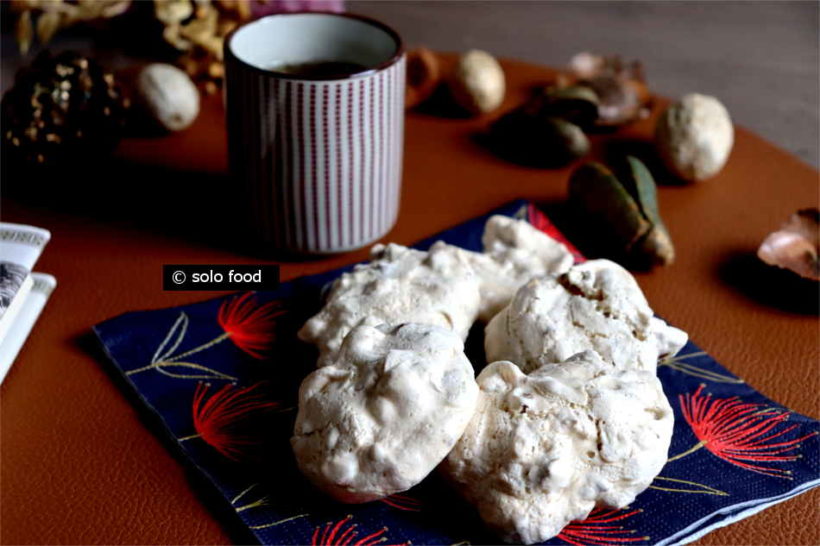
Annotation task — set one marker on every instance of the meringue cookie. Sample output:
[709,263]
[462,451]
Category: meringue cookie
[447,286]
[514,252]
[399,285]
[596,305]
[544,449]
[385,413]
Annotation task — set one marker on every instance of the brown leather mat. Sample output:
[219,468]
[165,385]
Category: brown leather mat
[78,466]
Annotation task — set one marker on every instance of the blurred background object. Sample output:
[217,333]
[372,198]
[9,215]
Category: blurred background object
[760,58]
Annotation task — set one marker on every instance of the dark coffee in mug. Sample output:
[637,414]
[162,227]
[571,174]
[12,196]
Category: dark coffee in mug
[320,69]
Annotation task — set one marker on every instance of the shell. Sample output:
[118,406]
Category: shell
[796,245]
[168,95]
[478,83]
[423,76]
[694,137]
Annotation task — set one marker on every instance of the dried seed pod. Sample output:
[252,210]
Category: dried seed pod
[599,195]
[423,76]
[478,83]
[576,104]
[168,95]
[62,110]
[624,214]
[694,137]
[657,244]
[796,245]
[623,95]
[537,141]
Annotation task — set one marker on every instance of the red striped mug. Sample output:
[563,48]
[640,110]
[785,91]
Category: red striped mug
[318,158]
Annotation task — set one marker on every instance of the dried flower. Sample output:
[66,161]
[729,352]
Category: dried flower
[251,327]
[740,433]
[222,420]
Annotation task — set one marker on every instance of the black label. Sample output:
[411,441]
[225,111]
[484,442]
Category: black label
[220,277]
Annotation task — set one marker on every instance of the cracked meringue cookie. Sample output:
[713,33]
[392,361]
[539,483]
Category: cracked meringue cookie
[399,285]
[514,252]
[544,449]
[517,252]
[380,418]
[595,305]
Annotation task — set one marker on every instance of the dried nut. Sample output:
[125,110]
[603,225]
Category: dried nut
[574,103]
[423,76]
[477,84]
[694,137]
[169,95]
[536,141]
[796,245]
[624,212]
[173,12]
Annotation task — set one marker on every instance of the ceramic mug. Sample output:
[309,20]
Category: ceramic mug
[318,158]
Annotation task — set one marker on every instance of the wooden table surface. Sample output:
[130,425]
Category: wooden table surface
[78,466]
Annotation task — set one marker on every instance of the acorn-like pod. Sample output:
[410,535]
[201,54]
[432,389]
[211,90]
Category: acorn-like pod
[576,104]
[537,141]
[623,212]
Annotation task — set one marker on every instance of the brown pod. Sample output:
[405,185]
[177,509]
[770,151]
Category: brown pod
[623,212]
[423,76]
[574,103]
[537,142]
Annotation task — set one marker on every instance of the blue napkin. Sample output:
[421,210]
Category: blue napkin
[222,377]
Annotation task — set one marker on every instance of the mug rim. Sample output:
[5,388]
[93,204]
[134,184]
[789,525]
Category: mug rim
[397,55]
